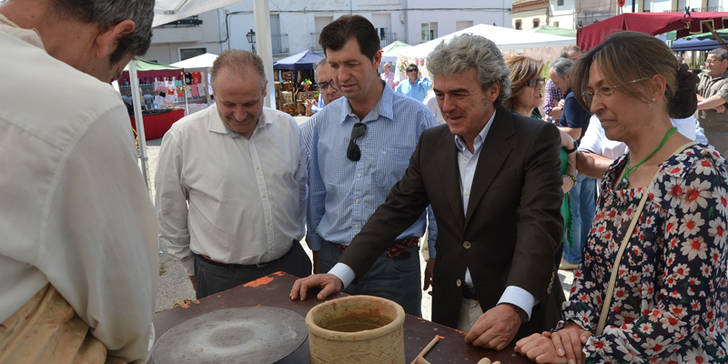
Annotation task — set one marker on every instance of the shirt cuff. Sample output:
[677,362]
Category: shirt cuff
[344,273]
[518,296]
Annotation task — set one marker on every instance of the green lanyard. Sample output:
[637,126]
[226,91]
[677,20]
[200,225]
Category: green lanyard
[624,182]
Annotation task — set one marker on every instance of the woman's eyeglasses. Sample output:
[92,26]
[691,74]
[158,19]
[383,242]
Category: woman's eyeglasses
[605,91]
[535,81]
[353,152]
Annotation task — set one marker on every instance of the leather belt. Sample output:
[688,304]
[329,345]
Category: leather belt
[397,251]
[469,292]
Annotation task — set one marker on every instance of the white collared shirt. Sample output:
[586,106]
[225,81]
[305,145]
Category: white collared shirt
[467,164]
[234,199]
[75,212]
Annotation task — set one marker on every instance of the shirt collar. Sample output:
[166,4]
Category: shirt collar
[215,124]
[383,108]
[478,142]
[30,36]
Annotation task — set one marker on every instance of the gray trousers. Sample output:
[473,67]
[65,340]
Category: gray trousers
[212,277]
[397,279]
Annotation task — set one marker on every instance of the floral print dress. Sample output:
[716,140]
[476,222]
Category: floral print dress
[670,301]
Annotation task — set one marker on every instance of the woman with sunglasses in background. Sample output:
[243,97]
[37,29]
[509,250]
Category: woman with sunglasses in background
[526,97]
[652,286]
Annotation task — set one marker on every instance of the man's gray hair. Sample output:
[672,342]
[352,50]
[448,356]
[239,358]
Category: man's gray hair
[107,13]
[720,54]
[472,51]
[562,66]
[319,64]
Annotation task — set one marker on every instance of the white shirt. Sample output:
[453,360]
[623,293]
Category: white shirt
[75,212]
[595,141]
[234,199]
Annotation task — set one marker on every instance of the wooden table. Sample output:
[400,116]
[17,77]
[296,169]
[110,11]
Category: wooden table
[273,290]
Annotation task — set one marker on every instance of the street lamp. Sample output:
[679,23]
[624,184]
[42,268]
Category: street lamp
[250,36]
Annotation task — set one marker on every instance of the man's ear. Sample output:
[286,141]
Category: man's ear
[493,92]
[378,58]
[106,41]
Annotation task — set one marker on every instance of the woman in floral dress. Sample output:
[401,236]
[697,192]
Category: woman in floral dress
[669,302]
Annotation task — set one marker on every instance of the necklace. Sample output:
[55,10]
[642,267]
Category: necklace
[624,182]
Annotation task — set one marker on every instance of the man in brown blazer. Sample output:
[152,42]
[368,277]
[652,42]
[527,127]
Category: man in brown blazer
[492,178]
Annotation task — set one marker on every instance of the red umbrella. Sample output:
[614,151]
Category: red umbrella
[651,23]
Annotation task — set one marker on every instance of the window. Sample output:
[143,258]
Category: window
[463,24]
[518,24]
[559,2]
[185,53]
[536,22]
[429,31]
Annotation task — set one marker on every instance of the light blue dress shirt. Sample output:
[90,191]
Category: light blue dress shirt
[343,193]
[417,91]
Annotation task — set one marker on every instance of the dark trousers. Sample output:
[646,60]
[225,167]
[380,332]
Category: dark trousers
[397,279]
[212,277]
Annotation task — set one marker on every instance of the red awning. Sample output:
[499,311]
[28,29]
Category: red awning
[651,23]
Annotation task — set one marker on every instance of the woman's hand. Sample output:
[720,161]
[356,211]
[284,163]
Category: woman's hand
[569,341]
[567,141]
[539,348]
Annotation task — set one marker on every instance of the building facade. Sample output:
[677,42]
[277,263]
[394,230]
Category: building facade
[529,14]
[296,24]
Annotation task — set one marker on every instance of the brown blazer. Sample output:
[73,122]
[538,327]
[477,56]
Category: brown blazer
[511,234]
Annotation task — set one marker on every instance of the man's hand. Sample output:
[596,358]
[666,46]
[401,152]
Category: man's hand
[719,108]
[192,280]
[329,284]
[539,348]
[429,269]
[316,262]
[495,328]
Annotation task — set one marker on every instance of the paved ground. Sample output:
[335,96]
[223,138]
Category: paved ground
[174,285]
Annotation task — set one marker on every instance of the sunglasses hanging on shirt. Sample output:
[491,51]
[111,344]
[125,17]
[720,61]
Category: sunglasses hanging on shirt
[353,152]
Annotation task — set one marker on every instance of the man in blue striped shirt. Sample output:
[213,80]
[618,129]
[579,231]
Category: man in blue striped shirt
[361,147]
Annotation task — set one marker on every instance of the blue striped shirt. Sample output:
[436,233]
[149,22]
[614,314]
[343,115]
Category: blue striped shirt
[344,194]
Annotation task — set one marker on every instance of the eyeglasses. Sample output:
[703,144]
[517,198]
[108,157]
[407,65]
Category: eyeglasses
[605,91]
[535,81]
[323,86]
[353,152]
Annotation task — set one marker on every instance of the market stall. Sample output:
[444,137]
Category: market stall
[161,94]
[652,23]
[199,91]
[295,76]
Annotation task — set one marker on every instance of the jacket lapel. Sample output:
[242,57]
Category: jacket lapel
[492,157]
[451,176]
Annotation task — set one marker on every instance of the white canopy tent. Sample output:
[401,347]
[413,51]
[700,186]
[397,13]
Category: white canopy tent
[537,45]
[203,61]
[166,11]
[506,39]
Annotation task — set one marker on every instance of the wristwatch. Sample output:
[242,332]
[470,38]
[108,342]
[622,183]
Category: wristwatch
[573,149]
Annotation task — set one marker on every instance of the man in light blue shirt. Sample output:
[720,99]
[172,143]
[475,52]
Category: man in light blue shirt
[361,145]
[414,87]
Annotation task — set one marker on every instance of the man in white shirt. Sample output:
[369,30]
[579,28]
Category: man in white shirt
[596,152]
[78,257]
[231,184]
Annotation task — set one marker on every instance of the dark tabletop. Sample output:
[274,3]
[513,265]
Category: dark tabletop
[273,290]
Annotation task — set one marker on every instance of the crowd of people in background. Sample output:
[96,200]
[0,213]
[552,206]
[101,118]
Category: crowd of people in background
[601,169]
